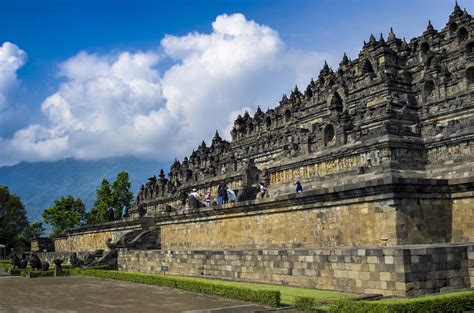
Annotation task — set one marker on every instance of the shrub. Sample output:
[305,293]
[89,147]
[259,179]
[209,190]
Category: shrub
[267,297]
[452,302]
[305,304]
[15,271]
[36,274]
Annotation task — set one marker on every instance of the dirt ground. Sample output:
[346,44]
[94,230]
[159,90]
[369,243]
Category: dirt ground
[88,294]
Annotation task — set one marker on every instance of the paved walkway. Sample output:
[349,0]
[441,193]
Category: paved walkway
[88,294]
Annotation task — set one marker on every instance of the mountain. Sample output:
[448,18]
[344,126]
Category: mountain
[38,184]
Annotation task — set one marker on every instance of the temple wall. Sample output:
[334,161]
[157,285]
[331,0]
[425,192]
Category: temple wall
[371,223]
[90,240]
[390,271]
[424,220]
[463,218]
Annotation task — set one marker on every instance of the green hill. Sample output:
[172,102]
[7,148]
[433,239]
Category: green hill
[38,184]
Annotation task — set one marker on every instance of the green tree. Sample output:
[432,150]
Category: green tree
[121,194]
[13,220]
[65,214]
[31,232]
[98,213]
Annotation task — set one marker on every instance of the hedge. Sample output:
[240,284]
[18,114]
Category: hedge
[305,304]
[451,302]
[266,297]
[36,274]
[15,271]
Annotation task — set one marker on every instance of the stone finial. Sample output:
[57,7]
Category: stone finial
[246,115]
[391,35]
[456,11]
[216,137]
[465,13]
[372,39]
[381,40]
[325,67]
[404,44]
[429,27]
[345,59]
[457,8]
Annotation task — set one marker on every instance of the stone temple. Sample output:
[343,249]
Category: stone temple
[383,147]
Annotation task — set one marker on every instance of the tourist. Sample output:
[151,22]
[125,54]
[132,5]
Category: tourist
[124,211]
[111,212]
[299,188]
[263,191]
[220,196]
[187,209]
[194,194]
[231,195]
[207,199]
[225,196]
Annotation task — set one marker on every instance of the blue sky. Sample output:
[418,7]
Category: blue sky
[58,37]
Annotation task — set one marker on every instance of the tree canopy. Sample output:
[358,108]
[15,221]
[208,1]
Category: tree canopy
[15,230]
[13,220]
[118,196]
[98,213]
[121,193]
[65,214]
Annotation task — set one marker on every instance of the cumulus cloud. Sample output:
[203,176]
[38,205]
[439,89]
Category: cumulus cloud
[120,104]
[11,59]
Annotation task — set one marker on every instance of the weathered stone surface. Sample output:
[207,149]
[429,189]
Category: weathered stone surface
[346,274]
[92,237]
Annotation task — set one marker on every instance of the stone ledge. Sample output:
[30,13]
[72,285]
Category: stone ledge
[379,189]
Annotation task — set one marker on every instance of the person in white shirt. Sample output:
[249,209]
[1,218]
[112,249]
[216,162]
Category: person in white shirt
[194,194]
[263,190]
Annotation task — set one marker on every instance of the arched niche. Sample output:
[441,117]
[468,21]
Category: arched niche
[268,122]
[336,102]
[287,115]
[428,62]
[424,48]
[329,134]
[453,27]
[470,47]
[470,74]
[250,128]
[428,88]
[367,67]
[462,34]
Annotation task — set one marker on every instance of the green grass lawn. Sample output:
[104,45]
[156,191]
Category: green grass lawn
[288,294]
[5,263]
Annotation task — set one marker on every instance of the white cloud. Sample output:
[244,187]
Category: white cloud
[119,104]
[11,59]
